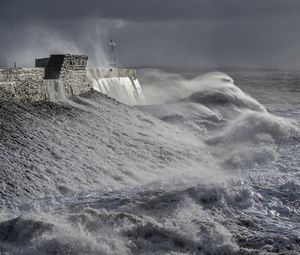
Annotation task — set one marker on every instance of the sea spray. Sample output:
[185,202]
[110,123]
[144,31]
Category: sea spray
[55,89]
[125,89]
[211,174]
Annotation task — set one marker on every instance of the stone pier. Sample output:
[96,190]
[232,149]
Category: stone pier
[32,84]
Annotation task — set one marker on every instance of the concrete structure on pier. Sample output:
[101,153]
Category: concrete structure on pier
[36,84]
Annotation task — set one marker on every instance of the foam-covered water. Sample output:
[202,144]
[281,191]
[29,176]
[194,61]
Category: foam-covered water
[55,90]
[204,168]
[126,90]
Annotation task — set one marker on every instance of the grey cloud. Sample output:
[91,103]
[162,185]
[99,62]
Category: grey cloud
[145,10]
[155,32]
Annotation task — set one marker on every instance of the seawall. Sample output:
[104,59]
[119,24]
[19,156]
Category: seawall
[66,72]
[23,84]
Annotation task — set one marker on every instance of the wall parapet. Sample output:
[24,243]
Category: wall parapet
[111,72]
[23,84]
[31,84]
[17,74]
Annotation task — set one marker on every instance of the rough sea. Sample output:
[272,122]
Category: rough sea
[210,165]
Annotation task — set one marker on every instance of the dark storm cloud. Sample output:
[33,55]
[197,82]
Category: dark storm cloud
[155,32]
[145,10]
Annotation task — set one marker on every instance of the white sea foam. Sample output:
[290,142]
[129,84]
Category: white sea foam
[126,90]
[55,90]
[211,172]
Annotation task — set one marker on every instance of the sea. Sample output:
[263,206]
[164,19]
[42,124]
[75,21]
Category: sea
[208,164]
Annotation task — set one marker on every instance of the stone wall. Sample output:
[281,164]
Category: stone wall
[73,74]
[68,71]
[23,84]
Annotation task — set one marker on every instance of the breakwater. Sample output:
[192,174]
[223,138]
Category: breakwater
[68,75]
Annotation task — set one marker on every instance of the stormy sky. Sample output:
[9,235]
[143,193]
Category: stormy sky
[179,33]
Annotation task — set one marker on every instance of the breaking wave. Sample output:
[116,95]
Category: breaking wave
[203,169]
